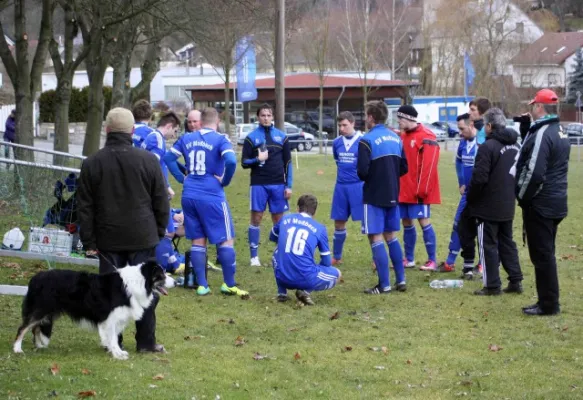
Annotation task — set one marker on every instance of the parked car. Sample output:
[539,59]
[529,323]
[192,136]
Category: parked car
[450,127]
[243,130]
[298,139]
[575,133]
[440,134]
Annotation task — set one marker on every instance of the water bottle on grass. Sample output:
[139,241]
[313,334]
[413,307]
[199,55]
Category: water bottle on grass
[446,284]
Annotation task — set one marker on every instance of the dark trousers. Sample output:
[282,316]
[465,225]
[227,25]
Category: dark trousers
[145,327]
[467,230]
[541,234]
[496,245]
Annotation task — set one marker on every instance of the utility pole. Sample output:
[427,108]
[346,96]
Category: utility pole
[280,66]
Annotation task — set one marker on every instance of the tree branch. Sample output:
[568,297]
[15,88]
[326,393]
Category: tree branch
[45,36]
[6,56]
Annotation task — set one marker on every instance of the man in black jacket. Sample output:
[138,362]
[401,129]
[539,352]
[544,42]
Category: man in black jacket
[123,209]
[491,201]
[541,190]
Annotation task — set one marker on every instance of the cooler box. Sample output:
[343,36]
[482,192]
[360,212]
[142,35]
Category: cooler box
[50,241]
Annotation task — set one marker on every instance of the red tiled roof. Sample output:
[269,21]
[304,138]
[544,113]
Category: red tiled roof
[544,50]
[311,80]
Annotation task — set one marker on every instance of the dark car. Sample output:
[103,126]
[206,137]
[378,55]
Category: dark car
[575,133]
[450,127]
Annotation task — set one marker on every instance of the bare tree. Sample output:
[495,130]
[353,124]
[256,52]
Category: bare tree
[24,75]
[315,39]
[359,40]
[65,65]
[101,24]
[234,20]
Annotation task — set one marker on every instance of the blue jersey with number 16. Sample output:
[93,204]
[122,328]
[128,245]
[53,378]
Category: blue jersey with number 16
[203,154]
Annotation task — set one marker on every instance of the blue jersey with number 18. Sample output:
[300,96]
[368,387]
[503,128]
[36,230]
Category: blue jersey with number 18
[203,155]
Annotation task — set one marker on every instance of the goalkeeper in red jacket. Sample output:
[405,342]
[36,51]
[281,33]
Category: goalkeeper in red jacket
[419,187]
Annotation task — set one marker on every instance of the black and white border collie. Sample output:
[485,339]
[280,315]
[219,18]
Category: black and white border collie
[107,302]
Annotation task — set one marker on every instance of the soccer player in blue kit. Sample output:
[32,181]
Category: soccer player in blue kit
[155,143]
[266,151]
[347,198]
[298,236]
[211,163]
[464,165]
[142,111]
[381,163]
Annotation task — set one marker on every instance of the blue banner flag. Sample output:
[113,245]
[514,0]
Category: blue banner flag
[470,72]
[246,68]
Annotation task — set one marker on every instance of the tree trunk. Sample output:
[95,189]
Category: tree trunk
[62,101]
[149,69]
[227,114]
[119,98]
[94,115]
[321,118]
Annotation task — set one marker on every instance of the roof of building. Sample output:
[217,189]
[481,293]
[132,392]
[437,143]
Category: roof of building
[311,80]
[553,48]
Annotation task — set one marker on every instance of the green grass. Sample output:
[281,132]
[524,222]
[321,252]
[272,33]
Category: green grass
[437,341]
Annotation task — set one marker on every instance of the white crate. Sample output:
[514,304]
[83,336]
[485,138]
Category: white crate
[50,241]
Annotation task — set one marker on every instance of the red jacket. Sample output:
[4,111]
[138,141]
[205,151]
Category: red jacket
[421,184]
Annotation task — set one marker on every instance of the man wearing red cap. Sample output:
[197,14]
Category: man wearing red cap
[541,190]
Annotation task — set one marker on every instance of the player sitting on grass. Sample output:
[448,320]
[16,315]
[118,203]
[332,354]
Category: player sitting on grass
[297,237]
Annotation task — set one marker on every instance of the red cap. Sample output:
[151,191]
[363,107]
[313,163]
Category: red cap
[545,96]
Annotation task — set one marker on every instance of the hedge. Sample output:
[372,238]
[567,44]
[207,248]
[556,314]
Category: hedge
[77,107]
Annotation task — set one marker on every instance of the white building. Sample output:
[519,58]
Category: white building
[547,62]
[497,27]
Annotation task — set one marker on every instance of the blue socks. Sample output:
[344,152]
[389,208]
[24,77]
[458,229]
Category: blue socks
[226,256]
[396,255]
[379,255]
[254,234]
[410,238]
[430,242]
[338,243]
[198,261]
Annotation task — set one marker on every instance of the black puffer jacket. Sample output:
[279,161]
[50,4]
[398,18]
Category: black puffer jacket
[541,170]
[122,198]
[491,195]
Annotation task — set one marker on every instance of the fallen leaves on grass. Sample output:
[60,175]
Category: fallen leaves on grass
[384,349]
[158,377]
[293,329]
[85,371]
[320,172]
[409,362]
[162,360]
[567,257]
[565,328]
[239,341]
[87,393]
[494,347]
[297,356]
[334,316]
[10,265]
[55,369]
[346,348]
[258,357]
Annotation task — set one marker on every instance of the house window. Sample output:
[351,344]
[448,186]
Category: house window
[553,80]
[174,92]
[520,28]
[499,28]
[526,80]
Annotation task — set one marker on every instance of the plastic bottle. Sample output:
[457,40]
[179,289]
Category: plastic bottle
[446,284]
[262,148]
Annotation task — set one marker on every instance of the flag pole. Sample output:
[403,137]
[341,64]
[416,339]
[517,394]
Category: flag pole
[465,81]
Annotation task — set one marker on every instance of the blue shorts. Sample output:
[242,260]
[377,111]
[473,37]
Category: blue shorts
[326,278]
[414,211]
[347,201]
[377,220]
[261,195]
[209,219]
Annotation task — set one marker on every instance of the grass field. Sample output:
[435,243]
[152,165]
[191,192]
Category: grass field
[422,344]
